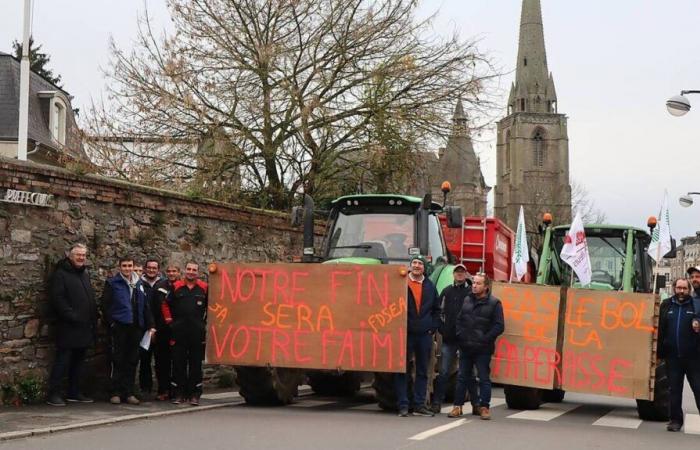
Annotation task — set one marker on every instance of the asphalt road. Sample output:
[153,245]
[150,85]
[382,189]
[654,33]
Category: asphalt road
[581,422]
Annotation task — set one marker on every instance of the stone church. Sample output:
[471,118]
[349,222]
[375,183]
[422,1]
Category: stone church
[532,167]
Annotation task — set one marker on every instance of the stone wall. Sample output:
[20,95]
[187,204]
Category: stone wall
[113,218]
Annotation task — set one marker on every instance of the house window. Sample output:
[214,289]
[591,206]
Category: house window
[539,150]
[58,120]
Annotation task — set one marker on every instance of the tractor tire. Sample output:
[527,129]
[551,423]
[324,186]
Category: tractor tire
[344,384]
[268,386]
[553,395]
[520,397]
[656,410]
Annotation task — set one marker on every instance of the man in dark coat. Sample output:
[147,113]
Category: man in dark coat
[678,345]
[73,301]
[480,323]
[423,321]
[149,279]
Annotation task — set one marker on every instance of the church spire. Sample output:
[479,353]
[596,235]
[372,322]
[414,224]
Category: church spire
[533,90]
[459,119]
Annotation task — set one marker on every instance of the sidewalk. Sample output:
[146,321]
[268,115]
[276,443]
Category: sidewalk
[35,420]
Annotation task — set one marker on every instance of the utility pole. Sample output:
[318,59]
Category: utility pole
[24,87]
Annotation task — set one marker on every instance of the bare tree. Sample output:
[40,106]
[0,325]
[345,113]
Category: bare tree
[308,95]
[582,202]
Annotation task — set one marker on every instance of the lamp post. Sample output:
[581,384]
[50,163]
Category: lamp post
[678,105]
[686,200]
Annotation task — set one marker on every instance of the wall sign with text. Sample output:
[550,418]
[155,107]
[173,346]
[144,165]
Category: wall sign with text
[27,198]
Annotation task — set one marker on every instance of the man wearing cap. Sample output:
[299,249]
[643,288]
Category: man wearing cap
[694,276]
[451,300]
[423,321]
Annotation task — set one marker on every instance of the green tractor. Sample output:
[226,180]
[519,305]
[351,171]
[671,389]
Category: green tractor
[619,262]
[361,229]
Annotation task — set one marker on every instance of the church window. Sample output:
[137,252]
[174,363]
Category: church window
[507,161]
[522,104]
[525,61]
[539,150]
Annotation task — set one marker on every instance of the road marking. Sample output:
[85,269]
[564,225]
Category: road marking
[311,403]
[366,407]
[547,412]
[220,395]
[437,430]
[691,424]
[620,418]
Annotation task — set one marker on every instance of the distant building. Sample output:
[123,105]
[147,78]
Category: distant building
[53,136]
[532,166]
[687,255]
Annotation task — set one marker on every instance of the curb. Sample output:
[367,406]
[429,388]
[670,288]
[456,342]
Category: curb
[11,435]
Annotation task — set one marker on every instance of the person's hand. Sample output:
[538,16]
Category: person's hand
[152,331]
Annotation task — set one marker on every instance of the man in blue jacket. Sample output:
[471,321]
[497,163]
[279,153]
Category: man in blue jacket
[128,315]
[678,340]
[423,321]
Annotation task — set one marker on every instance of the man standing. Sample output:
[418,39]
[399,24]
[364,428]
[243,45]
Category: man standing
[423,321]
[451,300]
[678,337]
[149,280]
[162,351]
[480,323]
[73,300]
[186,312]
[694,275]
[128,316]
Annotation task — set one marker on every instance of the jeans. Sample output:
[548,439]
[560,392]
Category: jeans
[480,392]
[420,345]
[69,360]
[449,354]
[677,369]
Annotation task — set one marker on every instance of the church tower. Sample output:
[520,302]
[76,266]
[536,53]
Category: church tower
[532,167]
[459,165]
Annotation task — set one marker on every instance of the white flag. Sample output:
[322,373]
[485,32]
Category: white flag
[575,251]
[521,256]
[661,237]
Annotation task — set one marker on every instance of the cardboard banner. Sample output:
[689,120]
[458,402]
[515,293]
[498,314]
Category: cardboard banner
[315,316]
[608,343]
[526,353]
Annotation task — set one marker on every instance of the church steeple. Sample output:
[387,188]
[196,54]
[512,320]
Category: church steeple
[533,90]
[459,120]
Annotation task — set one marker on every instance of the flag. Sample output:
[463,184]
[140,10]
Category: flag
[521,255]
[661,237]
[575,251]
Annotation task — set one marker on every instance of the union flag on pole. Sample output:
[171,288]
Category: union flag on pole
[521,255]
[575,251]
[661,237]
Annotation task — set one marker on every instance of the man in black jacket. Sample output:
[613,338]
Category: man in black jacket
[677,344]
[423,321]
[451,300]
[73,300]
[162,350]
[150,278]
[480,322]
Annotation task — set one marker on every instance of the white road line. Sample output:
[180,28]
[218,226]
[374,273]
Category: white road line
[220,395]
[497,401]
[311,403]
[691,424]
[547,412]
[437,430]
[366,407]
[620,418]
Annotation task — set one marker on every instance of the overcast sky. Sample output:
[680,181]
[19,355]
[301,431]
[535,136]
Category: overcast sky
[614,65]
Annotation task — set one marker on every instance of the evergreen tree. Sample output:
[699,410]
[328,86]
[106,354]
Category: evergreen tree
[38,61]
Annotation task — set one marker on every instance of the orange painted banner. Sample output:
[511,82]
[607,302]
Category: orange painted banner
[315,316]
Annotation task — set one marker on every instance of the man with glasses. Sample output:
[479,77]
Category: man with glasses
[677,345]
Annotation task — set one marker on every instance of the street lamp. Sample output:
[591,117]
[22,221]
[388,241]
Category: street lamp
[678,105]
[687,200]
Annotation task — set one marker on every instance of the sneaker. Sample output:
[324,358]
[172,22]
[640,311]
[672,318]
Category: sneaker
[132,400]
[55,400]
[456,412]
[194,401]
[423,411]
[674,426]
[436,409]
[403,412]
[177,400]
[80,398]
[485,413]
[115,400]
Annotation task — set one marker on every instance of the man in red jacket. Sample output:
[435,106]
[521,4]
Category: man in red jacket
[185,310]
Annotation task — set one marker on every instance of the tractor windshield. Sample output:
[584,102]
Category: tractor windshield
[607,253]
[385,236]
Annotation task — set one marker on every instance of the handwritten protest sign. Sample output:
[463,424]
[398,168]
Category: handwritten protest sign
[317,316]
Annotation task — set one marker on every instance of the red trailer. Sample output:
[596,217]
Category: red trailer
[483,244]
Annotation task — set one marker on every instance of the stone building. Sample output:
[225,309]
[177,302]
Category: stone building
[687,255]
[458,164]
[532,167]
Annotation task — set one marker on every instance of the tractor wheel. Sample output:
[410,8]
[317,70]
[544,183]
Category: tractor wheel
[268,386]
[553,395]
[656,410]
[520,397]
[344,384]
